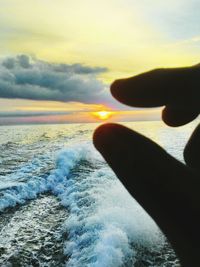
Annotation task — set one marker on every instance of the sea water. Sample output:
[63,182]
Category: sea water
[61,205]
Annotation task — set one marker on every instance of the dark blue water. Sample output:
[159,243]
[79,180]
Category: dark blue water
[61,205]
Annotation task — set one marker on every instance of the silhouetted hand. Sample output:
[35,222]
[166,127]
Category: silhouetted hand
[166,188]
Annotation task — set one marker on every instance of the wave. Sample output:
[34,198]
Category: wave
[104,221]
[20,191]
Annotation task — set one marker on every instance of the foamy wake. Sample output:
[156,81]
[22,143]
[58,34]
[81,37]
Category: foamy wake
[24,185]
[104,221]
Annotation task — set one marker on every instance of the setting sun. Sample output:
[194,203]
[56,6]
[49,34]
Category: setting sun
[103,115]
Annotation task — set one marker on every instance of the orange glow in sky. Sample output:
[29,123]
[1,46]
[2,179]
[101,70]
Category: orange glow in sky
[103,114]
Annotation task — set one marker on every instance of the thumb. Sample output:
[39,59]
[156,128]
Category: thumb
[192,150]
[165,188]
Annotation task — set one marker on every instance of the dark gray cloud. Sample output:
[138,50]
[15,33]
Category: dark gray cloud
[29,78]
[33,114]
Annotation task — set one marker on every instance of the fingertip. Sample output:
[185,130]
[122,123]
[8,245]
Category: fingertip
[103,134]
[116,87]
[177,117]
[142,90]
[191,152]
[168,118]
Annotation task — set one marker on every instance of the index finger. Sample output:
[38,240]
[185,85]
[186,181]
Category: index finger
[177,88]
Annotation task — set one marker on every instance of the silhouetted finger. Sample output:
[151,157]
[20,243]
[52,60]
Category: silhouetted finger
[166,188]
[173,116]
[192,150]
[175,87]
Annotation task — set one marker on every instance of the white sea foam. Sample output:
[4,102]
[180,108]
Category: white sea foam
[105,226]
[104,221]
[18,192]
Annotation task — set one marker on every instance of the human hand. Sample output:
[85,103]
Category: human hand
[166,188]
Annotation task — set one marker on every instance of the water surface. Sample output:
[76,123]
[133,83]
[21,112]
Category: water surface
[61,205]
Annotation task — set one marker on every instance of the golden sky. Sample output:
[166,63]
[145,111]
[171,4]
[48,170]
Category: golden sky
[125,36]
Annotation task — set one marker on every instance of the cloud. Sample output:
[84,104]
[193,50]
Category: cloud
[27,77]
[33,114]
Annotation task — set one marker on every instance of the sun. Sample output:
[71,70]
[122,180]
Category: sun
[103,114]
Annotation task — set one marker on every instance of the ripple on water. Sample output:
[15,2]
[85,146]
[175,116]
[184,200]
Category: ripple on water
[31,235]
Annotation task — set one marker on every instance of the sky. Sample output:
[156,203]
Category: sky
[58,57]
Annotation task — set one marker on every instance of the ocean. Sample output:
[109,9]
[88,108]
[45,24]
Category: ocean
[61,205]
